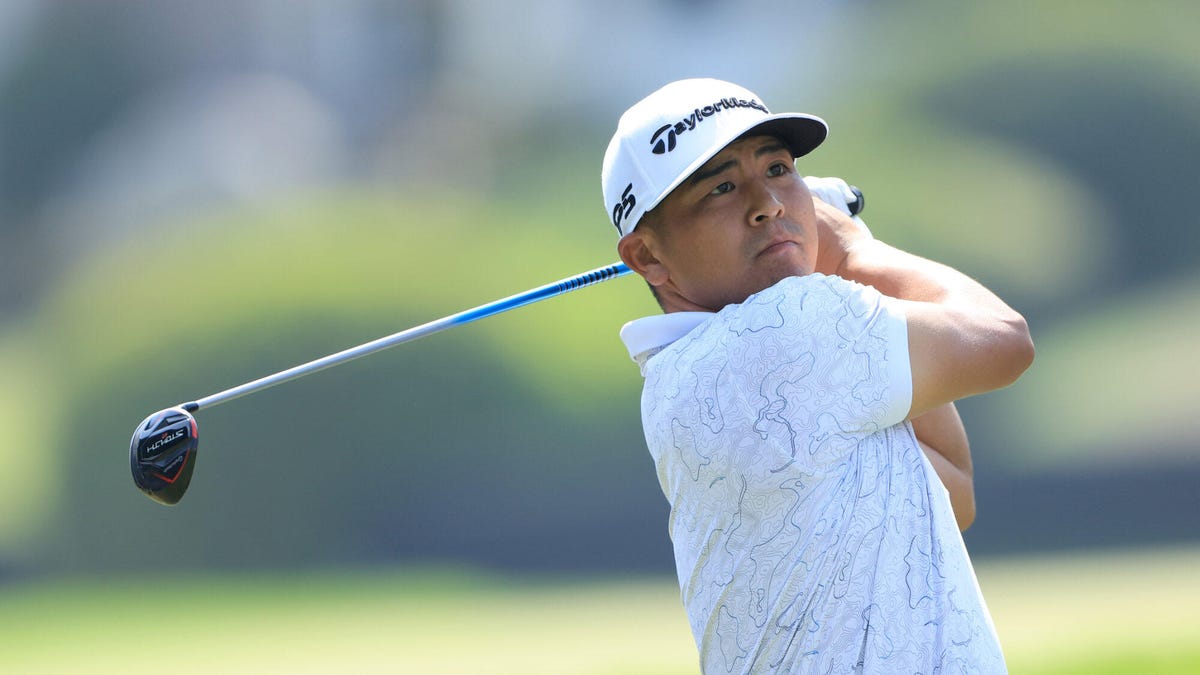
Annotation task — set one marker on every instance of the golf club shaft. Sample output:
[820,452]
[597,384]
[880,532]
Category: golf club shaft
[512,302]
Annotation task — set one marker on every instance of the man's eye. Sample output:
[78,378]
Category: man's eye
[777,169]
[722,188]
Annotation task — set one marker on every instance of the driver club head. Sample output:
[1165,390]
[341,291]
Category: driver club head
[162,454]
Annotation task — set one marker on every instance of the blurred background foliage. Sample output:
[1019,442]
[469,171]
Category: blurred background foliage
[192,196]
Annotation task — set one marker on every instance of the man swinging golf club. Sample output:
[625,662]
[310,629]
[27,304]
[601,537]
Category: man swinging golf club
[799,398]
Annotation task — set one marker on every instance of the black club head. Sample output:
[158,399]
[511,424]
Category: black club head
[162,454]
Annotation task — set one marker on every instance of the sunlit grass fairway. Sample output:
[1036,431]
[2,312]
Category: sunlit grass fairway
[418,622]
[1134,612]
[1131,613]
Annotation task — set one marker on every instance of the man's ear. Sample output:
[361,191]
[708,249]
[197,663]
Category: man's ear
[636,251]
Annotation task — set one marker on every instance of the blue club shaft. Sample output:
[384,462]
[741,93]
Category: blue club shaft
[503,305]
[512,302]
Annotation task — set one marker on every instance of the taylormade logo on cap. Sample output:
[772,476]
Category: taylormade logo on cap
[658,145]
[665,137]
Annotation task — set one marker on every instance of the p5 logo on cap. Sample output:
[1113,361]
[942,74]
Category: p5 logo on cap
[623,208]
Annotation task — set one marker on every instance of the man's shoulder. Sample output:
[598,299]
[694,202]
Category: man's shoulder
[801,305]
[815,284]
[811,301]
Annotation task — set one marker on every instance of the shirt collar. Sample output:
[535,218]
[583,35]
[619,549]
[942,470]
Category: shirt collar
[648,336]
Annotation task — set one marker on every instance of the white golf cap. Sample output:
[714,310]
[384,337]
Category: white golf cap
[665,137]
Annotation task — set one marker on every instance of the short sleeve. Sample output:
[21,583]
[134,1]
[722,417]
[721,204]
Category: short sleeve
[884,338]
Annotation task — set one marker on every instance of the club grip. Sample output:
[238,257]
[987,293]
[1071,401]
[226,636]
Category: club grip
[859,203]
[592,277]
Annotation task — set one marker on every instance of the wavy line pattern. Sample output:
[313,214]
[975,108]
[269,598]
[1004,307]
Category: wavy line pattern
[810,532]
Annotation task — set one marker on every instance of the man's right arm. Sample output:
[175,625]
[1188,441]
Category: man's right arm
[962,338]
[943,438]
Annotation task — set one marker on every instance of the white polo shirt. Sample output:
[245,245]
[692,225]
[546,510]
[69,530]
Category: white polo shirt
[811,534]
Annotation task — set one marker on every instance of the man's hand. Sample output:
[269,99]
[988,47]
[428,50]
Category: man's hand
[833,191]
[836,235]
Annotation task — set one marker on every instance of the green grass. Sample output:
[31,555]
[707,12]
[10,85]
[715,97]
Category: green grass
[1119,613]
[369,623]
[1127,613]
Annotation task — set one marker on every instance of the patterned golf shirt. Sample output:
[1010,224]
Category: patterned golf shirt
[811,534]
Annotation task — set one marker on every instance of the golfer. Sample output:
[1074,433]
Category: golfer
[798,399]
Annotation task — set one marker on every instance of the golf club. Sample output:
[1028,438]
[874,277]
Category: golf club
[162,453]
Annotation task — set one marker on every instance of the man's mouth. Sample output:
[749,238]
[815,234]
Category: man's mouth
[778,246]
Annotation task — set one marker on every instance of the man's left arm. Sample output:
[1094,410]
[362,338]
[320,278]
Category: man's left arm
[944,439]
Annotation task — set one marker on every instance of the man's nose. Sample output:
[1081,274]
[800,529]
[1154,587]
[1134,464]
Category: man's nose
[764,204]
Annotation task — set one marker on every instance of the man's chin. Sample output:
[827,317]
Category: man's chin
[793,267]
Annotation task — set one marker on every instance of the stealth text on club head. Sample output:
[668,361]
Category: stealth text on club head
[162,454]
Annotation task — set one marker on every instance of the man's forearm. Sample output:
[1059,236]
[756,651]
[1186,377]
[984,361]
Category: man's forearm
[905,276]
[846,250]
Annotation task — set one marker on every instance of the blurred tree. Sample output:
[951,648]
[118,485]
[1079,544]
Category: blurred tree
[83,66]
[1127,125]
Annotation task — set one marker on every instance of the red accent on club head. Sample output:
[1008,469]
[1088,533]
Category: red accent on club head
[171,480]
